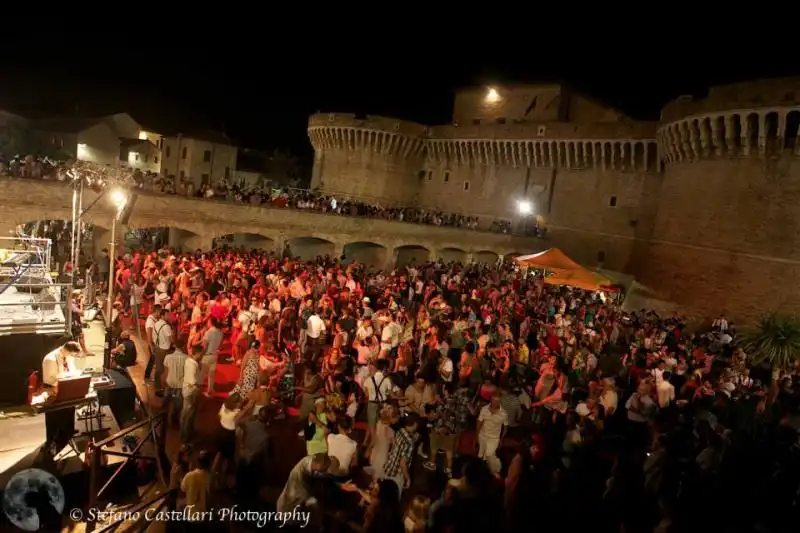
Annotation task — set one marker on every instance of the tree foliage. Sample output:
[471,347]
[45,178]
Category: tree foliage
[18,139]
[282,168]
[775,339]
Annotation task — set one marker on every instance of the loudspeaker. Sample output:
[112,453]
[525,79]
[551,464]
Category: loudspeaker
[125,215]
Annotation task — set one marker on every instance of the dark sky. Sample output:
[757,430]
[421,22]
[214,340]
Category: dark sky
[264,102]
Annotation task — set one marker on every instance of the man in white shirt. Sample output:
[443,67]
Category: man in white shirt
[665,391]
[190,391]
[60,363]
[343,448]
[162,342]
[491,423]
[315,334]
[379,389]
[152,318]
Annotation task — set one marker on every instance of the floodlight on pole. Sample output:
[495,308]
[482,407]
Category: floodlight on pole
[525,207]
[492,95]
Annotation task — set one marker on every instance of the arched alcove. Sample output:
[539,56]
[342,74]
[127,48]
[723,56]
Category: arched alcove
[147,239]
[308,248]
[369,253]
[453,255]
[411,254]
[245,241]
[485,257]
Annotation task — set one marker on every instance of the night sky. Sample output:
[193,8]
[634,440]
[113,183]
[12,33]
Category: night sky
[264,102]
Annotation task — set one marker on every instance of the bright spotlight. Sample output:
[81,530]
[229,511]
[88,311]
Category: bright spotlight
[119,198]
[492,95]
[524,207]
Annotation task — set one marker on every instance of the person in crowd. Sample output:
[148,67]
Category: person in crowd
[398,463]
[174,367]
[190,392]
[491,424]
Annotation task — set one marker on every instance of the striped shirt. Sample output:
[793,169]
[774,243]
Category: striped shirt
[175,363]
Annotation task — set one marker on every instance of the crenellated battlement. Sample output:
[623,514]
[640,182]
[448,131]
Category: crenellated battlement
[770,129]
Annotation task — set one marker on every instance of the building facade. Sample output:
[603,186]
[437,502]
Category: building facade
[701,205]
[202,158]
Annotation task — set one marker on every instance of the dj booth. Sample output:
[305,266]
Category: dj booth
[54,426]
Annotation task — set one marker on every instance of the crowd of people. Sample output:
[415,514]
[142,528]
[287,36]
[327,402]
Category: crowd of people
[99,176]
[518,403]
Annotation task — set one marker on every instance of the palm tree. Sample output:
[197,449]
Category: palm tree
[774,340]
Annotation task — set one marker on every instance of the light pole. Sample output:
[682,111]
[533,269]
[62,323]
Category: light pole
[119,198]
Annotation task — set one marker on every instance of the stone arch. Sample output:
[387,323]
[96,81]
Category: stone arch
[145,238]
[309,248]
[246,241]
[736,134]
[452,255]
[752,129]
[411,254]
[486,257]
[771,126]
[370,253]
[639,159]
[792,126]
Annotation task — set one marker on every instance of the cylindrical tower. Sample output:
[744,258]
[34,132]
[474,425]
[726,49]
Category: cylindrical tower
[727,231]
[372,157]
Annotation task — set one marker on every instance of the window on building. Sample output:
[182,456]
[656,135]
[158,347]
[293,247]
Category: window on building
[447,176]
[168,152]
[430,175]
[227,173]
[501,120]
[476,122]
[183,174]
[601,256]
[183,153]
[155,159]
[136,157]
[207,156]
[612,202]
[421,174]
[204,179]
[466,185]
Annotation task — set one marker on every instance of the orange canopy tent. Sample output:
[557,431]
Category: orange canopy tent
[553,260]
[565,270]
[587,280]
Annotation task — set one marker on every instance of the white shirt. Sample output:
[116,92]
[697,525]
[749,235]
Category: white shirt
[316,326]
[384,384]
[344,449]
[227,418]
[191,369]
[493,421]
[53,367]
[446,367]
[162,334]
[666,393]
[244,319]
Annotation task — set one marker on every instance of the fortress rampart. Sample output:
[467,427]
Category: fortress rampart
[703,206]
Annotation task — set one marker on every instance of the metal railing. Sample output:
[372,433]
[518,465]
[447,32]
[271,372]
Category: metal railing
[96,451]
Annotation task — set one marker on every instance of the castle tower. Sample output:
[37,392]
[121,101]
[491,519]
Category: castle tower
[370,158]
[726,236]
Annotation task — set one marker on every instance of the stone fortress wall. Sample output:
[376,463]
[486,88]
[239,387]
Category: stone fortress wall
[701,205]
